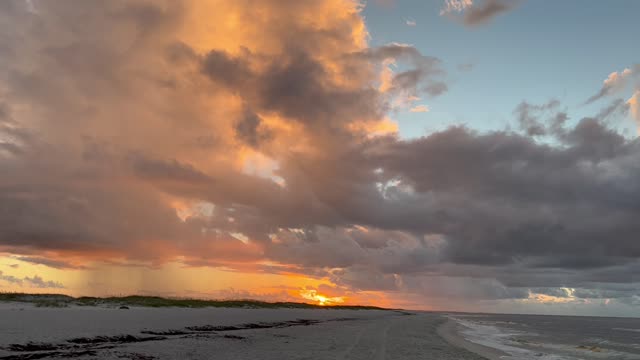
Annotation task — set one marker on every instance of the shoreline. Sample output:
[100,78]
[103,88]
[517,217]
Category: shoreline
[450,332]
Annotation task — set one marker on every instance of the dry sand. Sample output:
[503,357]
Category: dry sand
[215,333]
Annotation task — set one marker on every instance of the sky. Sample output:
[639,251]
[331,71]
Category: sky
[472,155]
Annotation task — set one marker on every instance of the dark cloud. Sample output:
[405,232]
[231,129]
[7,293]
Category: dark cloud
[57,264]
[160,170]
[486,11]
[248,129]
[528,117]
[293,85]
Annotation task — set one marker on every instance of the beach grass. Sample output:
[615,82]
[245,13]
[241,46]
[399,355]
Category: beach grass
[61,300]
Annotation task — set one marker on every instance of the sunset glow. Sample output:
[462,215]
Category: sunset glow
[313,295]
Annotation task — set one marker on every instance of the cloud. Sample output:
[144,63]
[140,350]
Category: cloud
[634,106]
[455,6]
[478,15]
[10,279]
[528,117]
[474,13]
[268,148]
[56,264]
[35,281]
[420,108]
[423,76]
[615,82]
[410,22]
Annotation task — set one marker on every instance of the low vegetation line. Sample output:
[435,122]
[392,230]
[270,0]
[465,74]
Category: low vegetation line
[60,300]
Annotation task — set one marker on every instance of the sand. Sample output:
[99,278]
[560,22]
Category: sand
[217,333]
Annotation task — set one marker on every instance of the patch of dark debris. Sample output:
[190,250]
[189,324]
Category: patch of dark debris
[89,346]
[51,354]
[235,337]
[171,332]
[118,339]
[211,328]
[33,346]
[84,346]
[250,326]
[136,356]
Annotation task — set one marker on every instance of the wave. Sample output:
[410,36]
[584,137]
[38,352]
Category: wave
[503,340]
[518,344]
[626,329]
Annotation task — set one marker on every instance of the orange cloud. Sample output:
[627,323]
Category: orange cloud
[168,139]
[420,108]
[634,107]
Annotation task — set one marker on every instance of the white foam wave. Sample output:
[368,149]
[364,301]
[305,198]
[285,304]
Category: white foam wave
[504,340]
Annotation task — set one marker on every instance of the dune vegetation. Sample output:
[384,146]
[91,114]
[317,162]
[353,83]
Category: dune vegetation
[61,300]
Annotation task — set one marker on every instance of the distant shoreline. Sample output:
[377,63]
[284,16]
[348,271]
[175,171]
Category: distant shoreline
[61,300]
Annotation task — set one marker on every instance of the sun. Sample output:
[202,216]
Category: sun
[322,300]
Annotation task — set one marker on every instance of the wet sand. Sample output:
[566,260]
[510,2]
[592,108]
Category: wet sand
[450,331]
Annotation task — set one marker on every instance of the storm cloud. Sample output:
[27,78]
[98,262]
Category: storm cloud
[130,132]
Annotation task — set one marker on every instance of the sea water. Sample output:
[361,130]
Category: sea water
[543,337]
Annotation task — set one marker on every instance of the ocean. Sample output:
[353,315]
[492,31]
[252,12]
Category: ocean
[543,337]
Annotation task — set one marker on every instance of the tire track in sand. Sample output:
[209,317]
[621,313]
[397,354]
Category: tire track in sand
[370,343]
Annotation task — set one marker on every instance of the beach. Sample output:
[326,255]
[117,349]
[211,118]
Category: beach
[95,332]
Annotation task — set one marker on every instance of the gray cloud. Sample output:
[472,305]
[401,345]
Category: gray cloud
[528,117]
[423,75]
[484,13]
[35,281]
[615,82]
[248,129]
[57,264]
[10,279]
